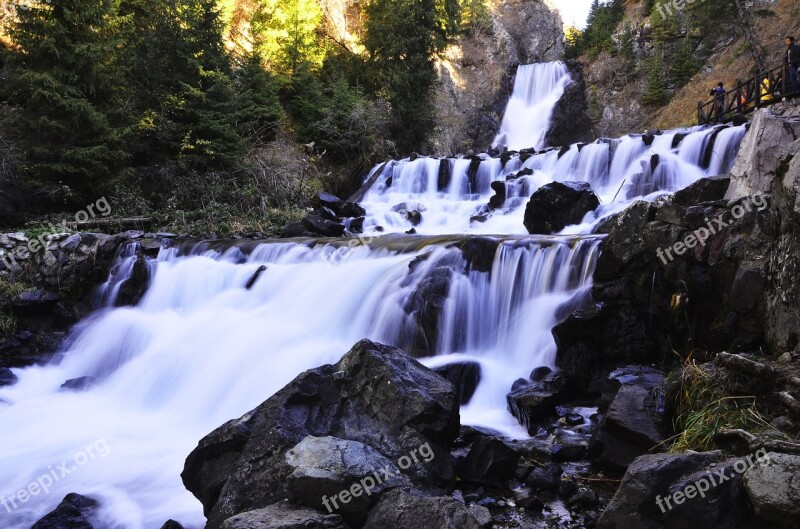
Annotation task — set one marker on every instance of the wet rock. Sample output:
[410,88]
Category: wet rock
[78,384]
[546,478]
[570,122]
[704,190]
[655,493]
[172,524]
[489,460]
[320,226]
[351,210]
[327,200]
[133,289]
[773,486]
[632,425]
[558,205]
[537,400]
[481,515]
[465,378]
[324,467]
[498,200]
[295,229]
[479,252]
[425,305]
[399,509]
[284,516]
[35,304]
[73,512]
[376,395]
[7,378]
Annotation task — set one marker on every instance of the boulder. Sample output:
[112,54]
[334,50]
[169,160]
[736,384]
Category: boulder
[646,498]
[558,205]
[425,305]
[317,224]
[773,486]
[172,524]
[284,516]
[375,395]
[704,190]
[7,378]
[325,469]
[489,460]
[327,200]
[632,425]
[78,384]
[35,304]
[73,512]
[400,509]
[464,376]
[536,400]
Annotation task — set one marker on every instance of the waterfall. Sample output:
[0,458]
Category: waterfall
[223,326]
[537,89]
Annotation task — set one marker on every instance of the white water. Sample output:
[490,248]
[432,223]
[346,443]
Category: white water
[201,349]
[537,89]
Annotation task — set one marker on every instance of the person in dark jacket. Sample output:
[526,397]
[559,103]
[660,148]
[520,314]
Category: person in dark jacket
[719,100]
[792,62]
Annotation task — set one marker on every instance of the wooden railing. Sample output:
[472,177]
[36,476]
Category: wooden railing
[765,89]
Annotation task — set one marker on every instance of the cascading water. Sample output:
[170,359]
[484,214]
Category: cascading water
[208,342]
[537,89]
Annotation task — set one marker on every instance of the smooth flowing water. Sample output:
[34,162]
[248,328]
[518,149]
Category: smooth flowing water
[201,348]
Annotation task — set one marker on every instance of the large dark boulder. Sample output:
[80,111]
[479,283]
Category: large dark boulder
[632,425]
[464,376]
[323,467]
[73,512]
[317,224]
[407,510]
[7,378]
[558,205]
[773,486]
[645,498]
[489,460]
[284,516]
[534,400]
[375,395]
[570,122]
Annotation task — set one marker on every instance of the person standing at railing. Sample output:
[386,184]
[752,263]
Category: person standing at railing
[719,100]
[792,62]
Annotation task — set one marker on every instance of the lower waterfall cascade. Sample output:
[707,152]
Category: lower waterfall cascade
[201,348]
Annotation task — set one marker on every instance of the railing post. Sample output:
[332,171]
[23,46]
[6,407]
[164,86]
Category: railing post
[759,86]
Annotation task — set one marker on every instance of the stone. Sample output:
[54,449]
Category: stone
[73,512]
[326,466]
[400,509]
[773,486]
[7,378]
[284,516]
[464,376]
[376,395]
[558,205]
[172,524]
[78,384]
[319,225]
[632,425]
[537,400]
[704,190]
[489,460]
[570,122]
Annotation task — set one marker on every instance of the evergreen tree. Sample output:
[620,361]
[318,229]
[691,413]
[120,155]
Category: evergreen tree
[259,110]
[401,39]
[475,15]
[64,76]
[684,64]
[601,25]
[287,35]
[655,93]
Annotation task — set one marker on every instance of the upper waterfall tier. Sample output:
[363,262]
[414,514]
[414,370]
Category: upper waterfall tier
[452,195]
[537,89]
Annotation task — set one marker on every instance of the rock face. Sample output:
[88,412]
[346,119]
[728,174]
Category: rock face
[476,71]
[72,513]
[537,399]
[773,486]
[557,205]
[284,516]
[375,395]
[632,423]
[325,466]
[570,122]
[404,510]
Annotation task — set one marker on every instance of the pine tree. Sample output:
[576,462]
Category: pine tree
[259,111]
[64,76]
[655,93]
[684,64]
